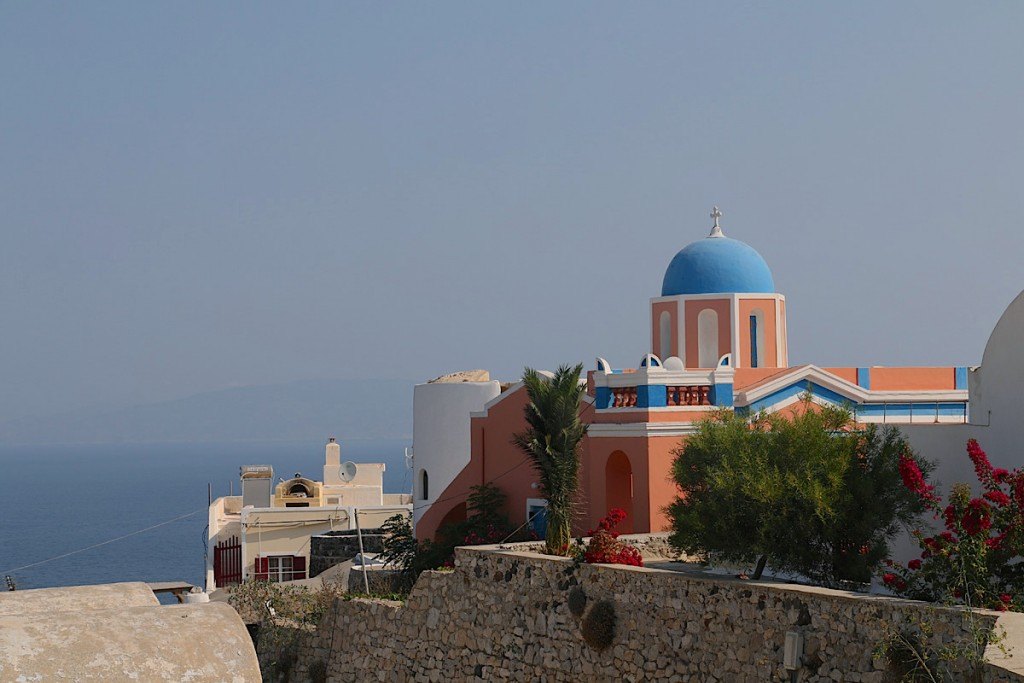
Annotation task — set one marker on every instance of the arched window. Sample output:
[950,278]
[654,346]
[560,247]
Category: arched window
[757,346]
[618,487]
[707,338]
[299,489]
[424,485]
[665,335]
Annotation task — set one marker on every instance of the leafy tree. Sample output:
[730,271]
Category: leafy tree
[552,441]
[811,494]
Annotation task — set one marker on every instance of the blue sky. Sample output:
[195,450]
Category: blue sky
[197,196]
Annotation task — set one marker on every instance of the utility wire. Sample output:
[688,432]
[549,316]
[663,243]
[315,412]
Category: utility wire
[97,545]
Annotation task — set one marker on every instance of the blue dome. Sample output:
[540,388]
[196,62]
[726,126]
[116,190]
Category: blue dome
[717,264]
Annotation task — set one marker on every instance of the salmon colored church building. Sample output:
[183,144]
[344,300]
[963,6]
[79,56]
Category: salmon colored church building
[718,340]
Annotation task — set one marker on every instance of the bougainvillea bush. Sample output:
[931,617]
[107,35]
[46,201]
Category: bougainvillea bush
[976,559]
[606,548]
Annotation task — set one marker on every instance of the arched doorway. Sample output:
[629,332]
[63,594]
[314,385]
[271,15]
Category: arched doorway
[618,488]
[454,516]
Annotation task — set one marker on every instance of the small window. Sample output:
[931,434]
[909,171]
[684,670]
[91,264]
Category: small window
[757,346]
[281,568]
[707,338]
[665,334]
[424,485]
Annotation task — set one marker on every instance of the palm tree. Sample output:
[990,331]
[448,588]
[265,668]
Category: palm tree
[552,442]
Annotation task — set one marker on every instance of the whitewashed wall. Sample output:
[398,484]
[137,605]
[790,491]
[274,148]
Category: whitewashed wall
[440,433]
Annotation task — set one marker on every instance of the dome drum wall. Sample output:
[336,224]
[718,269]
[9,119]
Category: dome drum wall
[700,329]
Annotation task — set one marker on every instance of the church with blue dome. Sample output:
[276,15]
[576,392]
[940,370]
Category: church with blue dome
[718,304]
[718,341]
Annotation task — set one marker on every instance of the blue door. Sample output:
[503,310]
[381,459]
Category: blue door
[538,515]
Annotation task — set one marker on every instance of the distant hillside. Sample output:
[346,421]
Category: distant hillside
[294,411]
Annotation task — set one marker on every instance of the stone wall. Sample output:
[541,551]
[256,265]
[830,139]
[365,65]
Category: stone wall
[335,547]
[514,615]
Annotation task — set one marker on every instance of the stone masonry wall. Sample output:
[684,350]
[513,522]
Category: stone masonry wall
[335,547]
[505,615]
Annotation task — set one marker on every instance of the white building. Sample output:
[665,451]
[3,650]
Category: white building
[265,532]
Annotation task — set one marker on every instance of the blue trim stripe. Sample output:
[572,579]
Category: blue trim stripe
[796,389]
[961,377]
[864,378]
[905,409]
[651,396]
[721,395]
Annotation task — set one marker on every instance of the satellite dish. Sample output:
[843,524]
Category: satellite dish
[347,471]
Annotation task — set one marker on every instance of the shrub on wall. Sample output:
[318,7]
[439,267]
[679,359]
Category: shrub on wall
[598,626]
[606,548]
[577,601]
[484,524]
[813,494]
[976,560]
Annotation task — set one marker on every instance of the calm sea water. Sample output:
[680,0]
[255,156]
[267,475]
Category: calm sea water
[55,499]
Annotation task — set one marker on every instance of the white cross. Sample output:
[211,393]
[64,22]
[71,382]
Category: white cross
[716,214]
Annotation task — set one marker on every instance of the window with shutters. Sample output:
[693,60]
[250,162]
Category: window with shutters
[278,568]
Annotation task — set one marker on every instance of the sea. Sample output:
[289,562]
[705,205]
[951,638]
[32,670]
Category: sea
[57,500]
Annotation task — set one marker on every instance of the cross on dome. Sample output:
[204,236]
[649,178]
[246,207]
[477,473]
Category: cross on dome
[716,230]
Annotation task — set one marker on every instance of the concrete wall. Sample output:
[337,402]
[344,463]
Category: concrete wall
[196,643]
[440,433]
[503,615]
[71,598]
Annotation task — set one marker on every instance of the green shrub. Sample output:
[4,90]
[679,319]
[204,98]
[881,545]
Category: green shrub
[812,494]
[577,601]
[318,671]
[598,625]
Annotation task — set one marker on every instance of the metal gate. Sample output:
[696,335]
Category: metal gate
[227,562]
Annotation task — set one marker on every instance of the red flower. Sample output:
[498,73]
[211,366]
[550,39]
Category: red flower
[889,579]
[913,478]
[978,517]
[914,564]
[1005,597]
[1000,475]
[996,542]
[982,467]
[997,497]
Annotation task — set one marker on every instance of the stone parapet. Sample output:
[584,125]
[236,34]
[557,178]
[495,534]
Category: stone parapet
[508,615]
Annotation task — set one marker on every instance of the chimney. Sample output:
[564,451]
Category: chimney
[332,453]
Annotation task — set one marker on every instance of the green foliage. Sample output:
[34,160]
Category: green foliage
[808,494]
[577,601]
[290,602]
[485,523]
[552,442]
[318,671]
[976,560]
[598,626]
[296,609]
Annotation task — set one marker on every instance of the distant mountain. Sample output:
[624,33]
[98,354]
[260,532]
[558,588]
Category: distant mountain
[312,409]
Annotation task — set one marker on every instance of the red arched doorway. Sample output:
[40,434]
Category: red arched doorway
[618,488]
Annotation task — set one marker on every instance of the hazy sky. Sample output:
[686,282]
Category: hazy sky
[198,196]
